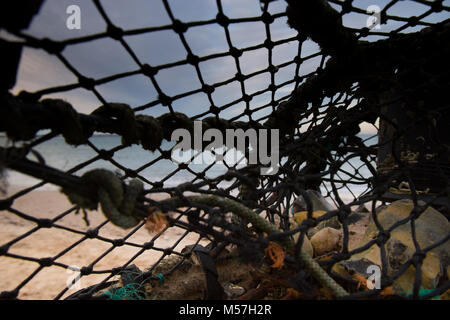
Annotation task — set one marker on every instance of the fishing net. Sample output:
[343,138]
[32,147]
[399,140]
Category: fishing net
[361,123]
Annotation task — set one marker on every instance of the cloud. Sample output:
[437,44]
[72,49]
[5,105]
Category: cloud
[51,20]
[104,57]
[39,70]
[241,9]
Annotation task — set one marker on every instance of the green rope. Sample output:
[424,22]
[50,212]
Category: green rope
[265,226]
[117,205]
[161,279]
[422,292]
[131,291]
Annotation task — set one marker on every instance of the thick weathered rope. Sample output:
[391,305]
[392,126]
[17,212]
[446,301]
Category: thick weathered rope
[21,118]
[118,206]
[264,226]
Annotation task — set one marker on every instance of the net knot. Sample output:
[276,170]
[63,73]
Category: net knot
[418,257]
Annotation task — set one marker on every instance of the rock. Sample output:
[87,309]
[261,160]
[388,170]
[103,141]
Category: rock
[320,206]
[318,202]
[430,228]
[306,246]
[326,240]
[431,271]
[445,295]
[362,209]
[332,223]
[233,291]
[303,215]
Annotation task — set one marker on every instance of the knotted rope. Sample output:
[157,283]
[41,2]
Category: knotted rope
[117,202]
[27,116]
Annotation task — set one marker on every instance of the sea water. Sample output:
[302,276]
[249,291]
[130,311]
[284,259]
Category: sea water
[62,156]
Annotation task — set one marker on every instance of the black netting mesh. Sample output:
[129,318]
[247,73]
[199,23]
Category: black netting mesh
[362,121]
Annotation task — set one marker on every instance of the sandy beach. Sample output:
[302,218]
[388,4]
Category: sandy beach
[50,242]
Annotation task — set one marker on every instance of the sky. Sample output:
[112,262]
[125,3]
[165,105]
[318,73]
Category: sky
[105,57]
